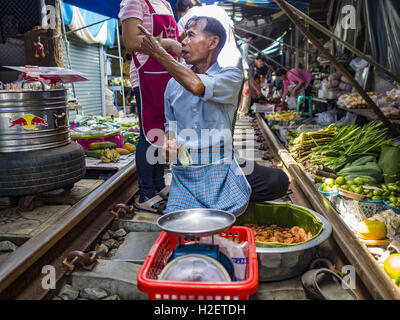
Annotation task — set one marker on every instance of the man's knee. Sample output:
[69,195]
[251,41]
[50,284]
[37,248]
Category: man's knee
[276,184]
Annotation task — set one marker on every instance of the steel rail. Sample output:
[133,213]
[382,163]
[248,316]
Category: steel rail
[377,282]
[35,248]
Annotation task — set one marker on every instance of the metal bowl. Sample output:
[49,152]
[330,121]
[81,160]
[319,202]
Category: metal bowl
[199,222]
[276,264]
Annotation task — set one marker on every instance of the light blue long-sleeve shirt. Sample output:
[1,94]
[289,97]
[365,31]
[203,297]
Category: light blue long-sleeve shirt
[212,111]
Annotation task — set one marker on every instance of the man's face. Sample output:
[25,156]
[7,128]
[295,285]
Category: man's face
[282,77]
[196,45]
[259,63]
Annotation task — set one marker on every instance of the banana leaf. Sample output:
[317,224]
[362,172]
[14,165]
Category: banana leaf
[283,215]
[389,162]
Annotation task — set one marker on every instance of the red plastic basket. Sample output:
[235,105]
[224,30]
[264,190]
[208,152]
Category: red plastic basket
[118,139]
[157,259]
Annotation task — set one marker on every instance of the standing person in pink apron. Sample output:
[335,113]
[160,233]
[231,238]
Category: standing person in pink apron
[149,80]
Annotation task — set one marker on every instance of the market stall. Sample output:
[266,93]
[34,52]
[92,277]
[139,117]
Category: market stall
[347,152]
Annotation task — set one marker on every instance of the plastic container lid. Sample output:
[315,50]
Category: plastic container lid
[195,267]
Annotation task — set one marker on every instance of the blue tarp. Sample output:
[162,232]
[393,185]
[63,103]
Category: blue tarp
[109,8]
[90,18]
[270,4]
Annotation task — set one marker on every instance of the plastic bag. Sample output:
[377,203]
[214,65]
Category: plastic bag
[237,252]
[358,64]
[326,118]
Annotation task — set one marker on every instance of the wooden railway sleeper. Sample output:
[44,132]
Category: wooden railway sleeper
[81,260]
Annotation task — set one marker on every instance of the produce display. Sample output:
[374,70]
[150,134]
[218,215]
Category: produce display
[355,101]
[357,167]
[97,127]
[274,233]
[371,230]
[392,194]
[107,151]
[392,267]
[390,104]
[284,116]
[349,144]
[301,143]
[391,221]
[334,86]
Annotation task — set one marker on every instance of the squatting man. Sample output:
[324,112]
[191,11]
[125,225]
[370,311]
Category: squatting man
[203,99]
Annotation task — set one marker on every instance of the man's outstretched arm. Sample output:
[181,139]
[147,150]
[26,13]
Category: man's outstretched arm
[182,74]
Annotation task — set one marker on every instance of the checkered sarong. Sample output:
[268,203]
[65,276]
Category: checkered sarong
[221,186]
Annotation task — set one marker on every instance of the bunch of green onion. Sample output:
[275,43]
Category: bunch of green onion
[302,146]
[351,143]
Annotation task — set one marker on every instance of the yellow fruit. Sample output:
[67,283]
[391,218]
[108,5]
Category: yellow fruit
[130,147]
[371,230]
[392,266]
[122,151]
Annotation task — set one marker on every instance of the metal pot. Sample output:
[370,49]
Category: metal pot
[276,264]
[33,120]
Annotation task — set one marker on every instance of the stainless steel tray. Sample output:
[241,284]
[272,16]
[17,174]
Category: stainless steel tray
[196,222]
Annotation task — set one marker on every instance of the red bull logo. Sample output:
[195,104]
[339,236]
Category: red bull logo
[29,122]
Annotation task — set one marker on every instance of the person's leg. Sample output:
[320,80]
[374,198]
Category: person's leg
[267,184]
[309,89]
[158,175]
[144,169]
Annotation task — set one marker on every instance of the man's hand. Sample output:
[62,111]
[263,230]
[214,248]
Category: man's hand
[170,151]
[173,45]
[149,44]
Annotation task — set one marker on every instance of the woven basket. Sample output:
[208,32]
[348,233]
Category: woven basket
[370,208]
[351,195]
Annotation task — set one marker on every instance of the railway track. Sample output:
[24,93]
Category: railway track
[21,274]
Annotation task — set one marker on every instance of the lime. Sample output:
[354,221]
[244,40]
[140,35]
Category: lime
[358,181]
[384,187]
[376,198]
[327,189]
[358,190]
[345,187]
[392,266]
[392,188]
[340,181]
[386,193]
[377,192]
[330,182]
[392,199]
[351,183]
[354,188]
